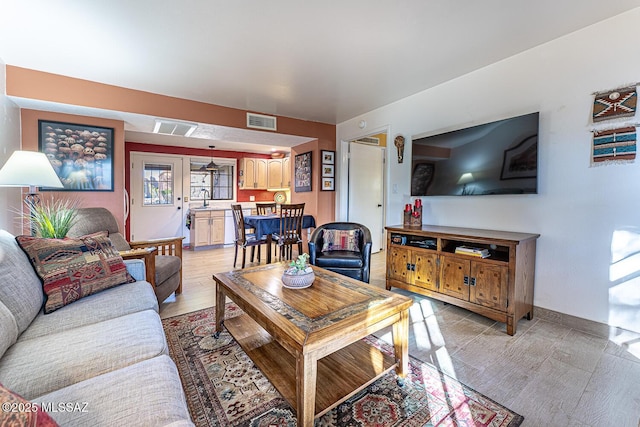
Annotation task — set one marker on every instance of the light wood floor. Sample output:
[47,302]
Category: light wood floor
[551,374]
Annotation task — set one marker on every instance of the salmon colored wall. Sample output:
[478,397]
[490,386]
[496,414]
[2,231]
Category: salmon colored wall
[34,84]
[319,203]
[112,200]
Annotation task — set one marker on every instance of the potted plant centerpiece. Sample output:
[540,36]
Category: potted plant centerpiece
[299,274]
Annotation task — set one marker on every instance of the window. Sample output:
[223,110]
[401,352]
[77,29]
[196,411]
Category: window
[158,184]
[211,185]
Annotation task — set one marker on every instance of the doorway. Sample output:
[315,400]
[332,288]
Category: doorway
[365,202]
[156,197]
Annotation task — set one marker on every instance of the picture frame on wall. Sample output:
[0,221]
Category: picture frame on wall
[302,172]
[328,184]
[328,171]
[328,157]
[81,155]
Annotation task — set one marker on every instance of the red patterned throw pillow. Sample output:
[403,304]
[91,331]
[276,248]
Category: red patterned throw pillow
[74,268]
[340,240]
[17,411]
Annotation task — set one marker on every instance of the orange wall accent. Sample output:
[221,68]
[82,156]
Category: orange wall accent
[112,200]
[34,84]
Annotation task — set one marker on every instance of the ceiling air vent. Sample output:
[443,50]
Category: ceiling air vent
[368,140]
[259,121]
[168,127]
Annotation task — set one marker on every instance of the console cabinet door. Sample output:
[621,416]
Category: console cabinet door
[399,260]
[426,271]
[454,277]
[490,288]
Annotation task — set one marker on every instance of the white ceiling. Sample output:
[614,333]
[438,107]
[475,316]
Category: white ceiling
[326,61]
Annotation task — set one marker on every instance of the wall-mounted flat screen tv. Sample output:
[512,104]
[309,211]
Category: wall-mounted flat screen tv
[493,158]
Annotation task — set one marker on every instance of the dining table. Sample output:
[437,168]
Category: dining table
[266,225]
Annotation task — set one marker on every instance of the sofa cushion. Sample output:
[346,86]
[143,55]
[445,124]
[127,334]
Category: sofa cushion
[8,329]
[20,288]
[73,268]
[35,367]
[17,411]
[108,304]
[148,393]
[340,240]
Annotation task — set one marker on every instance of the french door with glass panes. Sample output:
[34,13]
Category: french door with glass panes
[156,196]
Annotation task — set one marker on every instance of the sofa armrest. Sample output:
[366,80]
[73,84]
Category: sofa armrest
[136,269]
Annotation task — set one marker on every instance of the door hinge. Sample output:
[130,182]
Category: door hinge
[507,302]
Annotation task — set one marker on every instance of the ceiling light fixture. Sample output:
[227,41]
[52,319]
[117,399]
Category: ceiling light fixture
[212,166]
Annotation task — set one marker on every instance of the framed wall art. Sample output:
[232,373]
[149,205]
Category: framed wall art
[327,177]
[328,184]
[302,171]
[327,171]
[81,155]
[328,157]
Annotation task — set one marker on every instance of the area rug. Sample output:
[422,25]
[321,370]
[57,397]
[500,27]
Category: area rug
[224,388]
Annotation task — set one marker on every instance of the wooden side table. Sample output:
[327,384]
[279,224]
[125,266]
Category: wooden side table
[145,254]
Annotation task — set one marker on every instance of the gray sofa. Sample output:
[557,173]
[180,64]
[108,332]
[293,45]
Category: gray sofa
[105,353]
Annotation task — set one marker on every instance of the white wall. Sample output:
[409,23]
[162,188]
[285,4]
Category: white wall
[578,208]
[10,198]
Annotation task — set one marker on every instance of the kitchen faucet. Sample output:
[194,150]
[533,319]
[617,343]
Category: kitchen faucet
[208,194]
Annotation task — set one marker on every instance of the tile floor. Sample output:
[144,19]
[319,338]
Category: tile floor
[551,374]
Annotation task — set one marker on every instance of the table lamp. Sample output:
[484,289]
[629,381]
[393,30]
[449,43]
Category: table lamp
[29,169]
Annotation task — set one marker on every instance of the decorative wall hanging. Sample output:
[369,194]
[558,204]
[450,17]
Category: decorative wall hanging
[302,171]
[615,104]
[81,155]
[399,143]
[328,170]
[614,146]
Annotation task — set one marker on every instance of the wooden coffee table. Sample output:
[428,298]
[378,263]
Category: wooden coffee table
[308,342]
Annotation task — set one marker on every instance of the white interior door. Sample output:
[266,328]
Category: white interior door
[156,197]
[366,190]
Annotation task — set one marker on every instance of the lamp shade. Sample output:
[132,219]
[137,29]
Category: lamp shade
[29,169]
[466,178]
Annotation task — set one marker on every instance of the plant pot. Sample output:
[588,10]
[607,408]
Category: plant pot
[298,281]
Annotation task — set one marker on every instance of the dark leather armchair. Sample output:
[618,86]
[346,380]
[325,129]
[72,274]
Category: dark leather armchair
[349,263]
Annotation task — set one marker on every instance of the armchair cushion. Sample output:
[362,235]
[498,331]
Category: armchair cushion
[340,240]
[340,259]
[70,269]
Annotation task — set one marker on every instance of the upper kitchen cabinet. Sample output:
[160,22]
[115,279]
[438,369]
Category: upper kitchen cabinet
[253,174]
[279,173]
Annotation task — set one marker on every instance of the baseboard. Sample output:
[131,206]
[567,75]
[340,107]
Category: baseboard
[584,325]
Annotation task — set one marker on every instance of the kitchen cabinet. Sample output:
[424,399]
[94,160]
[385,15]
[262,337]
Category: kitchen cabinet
[207,228]
[253,173]
[279,173]
[500,287]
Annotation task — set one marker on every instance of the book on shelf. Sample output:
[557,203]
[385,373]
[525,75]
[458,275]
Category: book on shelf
[469,250]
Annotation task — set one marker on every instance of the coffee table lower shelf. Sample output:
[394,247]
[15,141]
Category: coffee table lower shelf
[340,374]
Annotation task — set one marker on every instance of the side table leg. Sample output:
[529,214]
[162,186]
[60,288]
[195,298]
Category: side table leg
[306,374]
[401,344]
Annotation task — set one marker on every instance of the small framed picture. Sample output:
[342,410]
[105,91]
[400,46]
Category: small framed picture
[328,171]
[328,157]
[328,184]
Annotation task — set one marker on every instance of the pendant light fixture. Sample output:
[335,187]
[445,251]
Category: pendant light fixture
[212,166]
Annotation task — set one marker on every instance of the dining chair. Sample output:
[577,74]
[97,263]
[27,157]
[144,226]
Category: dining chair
[243,238]
[265,208]
[290,229]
